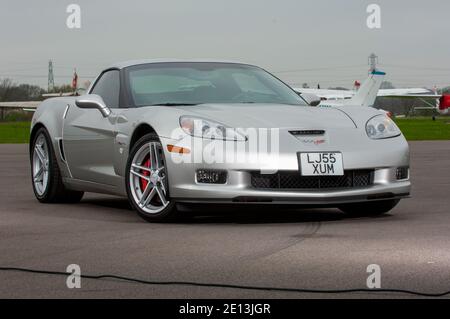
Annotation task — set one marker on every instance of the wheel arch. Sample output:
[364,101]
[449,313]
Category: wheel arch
[139,131]
[49,115]
[33,132]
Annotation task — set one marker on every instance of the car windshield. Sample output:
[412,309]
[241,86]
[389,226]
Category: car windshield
[182,83]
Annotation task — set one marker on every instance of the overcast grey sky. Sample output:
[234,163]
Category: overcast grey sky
[300,41]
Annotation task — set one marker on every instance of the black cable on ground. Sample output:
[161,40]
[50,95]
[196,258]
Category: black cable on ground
[216,285]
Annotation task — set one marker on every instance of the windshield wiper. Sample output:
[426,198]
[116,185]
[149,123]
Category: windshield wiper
[174,104]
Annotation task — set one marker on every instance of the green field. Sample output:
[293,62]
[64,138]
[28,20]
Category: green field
[415,129]
[14,132]
[420,129]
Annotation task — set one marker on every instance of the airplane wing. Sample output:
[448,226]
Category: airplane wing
[47,95]
[31,105]
[413,92]
[327,94]
[22,104]
[416,96]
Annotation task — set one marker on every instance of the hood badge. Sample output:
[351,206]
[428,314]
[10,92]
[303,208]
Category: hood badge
[313,141]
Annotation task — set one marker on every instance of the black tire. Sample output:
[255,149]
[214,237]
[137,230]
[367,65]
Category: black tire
[169,213]
[55,191]
[369,208]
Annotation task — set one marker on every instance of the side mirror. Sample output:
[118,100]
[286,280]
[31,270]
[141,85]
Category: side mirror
[93,101]
[311,99]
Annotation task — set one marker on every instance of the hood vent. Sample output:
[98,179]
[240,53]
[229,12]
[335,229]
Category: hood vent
[307,132]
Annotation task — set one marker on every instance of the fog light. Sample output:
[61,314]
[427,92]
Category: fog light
[208,176]
[402,173]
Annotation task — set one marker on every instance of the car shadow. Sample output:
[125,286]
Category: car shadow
[238,214]
[274,216]
[266,215]
[108,202]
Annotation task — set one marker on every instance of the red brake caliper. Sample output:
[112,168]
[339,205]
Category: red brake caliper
[144,182]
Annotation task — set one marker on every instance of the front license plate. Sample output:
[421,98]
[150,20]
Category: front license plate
[321,164]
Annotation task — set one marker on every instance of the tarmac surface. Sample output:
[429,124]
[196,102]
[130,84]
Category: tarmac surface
[308,248]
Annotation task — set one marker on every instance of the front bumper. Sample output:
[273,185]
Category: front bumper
[239,190]
[359,152]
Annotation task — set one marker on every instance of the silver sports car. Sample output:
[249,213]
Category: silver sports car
[170,133]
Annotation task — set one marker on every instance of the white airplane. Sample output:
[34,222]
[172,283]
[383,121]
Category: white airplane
[370,90]
[365,96]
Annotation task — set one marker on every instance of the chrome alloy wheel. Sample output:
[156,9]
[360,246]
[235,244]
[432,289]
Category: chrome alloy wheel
[148,178]
[40,165]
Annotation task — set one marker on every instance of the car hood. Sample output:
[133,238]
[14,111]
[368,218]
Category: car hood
[257,115]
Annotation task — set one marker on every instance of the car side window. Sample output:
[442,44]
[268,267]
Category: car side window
[108,87]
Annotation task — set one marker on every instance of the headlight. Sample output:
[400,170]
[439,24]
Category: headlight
[199,127]
[381,126]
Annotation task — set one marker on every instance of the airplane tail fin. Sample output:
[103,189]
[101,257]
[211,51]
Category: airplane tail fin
[368,91]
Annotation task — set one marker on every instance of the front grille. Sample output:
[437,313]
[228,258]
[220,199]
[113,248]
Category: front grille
[293,180]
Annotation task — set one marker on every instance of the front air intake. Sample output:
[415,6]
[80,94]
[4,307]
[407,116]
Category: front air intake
[293,180]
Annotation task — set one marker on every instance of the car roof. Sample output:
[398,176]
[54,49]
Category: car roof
[124,64]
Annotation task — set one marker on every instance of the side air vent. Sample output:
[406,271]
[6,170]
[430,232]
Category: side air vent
[307,132]
[61,149]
